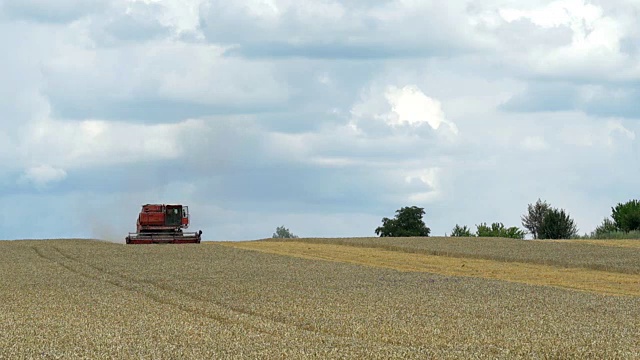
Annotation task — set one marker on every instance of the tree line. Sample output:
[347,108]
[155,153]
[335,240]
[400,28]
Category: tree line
[541,220]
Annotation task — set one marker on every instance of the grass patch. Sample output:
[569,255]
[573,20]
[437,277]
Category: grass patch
[616,235]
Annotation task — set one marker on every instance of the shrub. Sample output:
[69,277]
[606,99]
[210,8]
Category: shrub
[498,230]
[283,233]
[616,235]
[607,226]
[557,224]
[458,231]
[627,216]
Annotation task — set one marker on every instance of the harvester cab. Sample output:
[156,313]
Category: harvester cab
[163,224]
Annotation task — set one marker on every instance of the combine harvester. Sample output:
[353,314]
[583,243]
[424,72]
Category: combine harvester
[163,224]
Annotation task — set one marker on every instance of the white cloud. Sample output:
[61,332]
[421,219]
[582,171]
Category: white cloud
[94,143]
[595,47]
[133,85]
[181,15]
[615,128]
[427,183]
[411,106]
[407,109]
[59,11]
[534,143]
[334,29]
[576,13]
[259,18]
[43,175]
[601,135]
[324,79]
[106,82]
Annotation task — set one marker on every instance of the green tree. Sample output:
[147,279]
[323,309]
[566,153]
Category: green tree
[407,222]
[498,230]
[283,233]
[532,220]
[627,216]
[514,233]
[557,224]
[606,227]
[458,231]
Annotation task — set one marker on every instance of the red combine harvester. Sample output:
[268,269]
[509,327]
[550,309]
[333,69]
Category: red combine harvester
[163,224]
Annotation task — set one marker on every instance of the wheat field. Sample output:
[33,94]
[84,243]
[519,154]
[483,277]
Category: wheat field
[318,298]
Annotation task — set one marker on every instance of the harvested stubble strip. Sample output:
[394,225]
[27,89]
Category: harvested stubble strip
[602,282]
[630,243]
[561,253]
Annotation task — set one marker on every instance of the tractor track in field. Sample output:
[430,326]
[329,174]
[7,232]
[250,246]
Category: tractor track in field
[138,288]
[155,292]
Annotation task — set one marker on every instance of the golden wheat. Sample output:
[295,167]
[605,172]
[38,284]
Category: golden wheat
[628,243]
[567,253]
[90,299]
[603,282]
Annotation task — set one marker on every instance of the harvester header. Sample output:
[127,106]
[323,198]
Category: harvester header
[163,224]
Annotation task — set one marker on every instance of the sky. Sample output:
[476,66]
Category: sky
[323,116]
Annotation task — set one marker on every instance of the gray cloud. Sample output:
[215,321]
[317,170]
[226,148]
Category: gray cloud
[139,23]
[173,82]
[237,164]
[567,41]
[630,46]
[339,50]
[60,11]
[618,102]
[334,30]
[324,119]
[599,100]
[149,111]
[540,97]
[522,34]
[300,190]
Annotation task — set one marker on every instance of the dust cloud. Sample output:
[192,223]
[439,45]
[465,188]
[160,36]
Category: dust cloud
[108,232]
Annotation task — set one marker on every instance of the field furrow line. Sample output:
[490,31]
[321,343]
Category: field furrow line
[139,288]
[297,299]
[160,293]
